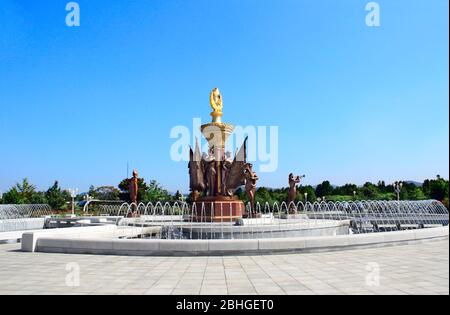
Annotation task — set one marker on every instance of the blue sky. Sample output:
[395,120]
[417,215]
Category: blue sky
[352,103]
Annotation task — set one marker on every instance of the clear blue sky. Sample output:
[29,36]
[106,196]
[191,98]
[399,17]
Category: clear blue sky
[352,103]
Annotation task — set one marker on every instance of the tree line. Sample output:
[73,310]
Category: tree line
[26,193]
[437,189]
[58,198]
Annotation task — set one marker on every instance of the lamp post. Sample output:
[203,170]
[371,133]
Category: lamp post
[354,194]
[73,194]
[398,188]
[306,197]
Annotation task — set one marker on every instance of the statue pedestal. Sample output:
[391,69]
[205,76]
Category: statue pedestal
[218,209]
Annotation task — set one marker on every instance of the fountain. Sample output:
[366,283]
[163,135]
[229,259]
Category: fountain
[314,219]
[217,222]
[217,213]
[22,217]
[214,177]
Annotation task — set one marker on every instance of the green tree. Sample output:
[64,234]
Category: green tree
[39,198]
[56,197]
[324,189]
[382,188]
[155,192]
[369,191]
[417,194]
[346,190]
[26,189]
[439,189]
[264,195]
[104,193]
[21,193]
[13,197]
[309,190]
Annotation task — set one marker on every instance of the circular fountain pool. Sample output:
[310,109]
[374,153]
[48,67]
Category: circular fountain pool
[169,229]
[275,221]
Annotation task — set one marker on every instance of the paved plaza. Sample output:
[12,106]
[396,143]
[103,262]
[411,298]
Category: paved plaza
[408,269]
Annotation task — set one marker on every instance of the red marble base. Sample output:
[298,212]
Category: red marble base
[218,209]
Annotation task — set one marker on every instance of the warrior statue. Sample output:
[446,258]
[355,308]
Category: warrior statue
[196,173]
[226,166]
[133,190]
[250,186]
[235,176]
[210,172]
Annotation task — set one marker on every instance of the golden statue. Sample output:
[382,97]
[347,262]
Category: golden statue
[215,99]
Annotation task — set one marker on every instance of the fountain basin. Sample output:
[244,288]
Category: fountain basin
[157,247]
[272,228]
[21,224]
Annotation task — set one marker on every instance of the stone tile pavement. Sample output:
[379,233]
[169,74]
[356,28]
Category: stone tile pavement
[408,269]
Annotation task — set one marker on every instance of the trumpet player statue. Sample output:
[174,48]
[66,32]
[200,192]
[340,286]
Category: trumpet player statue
[293,181]
[215,177]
